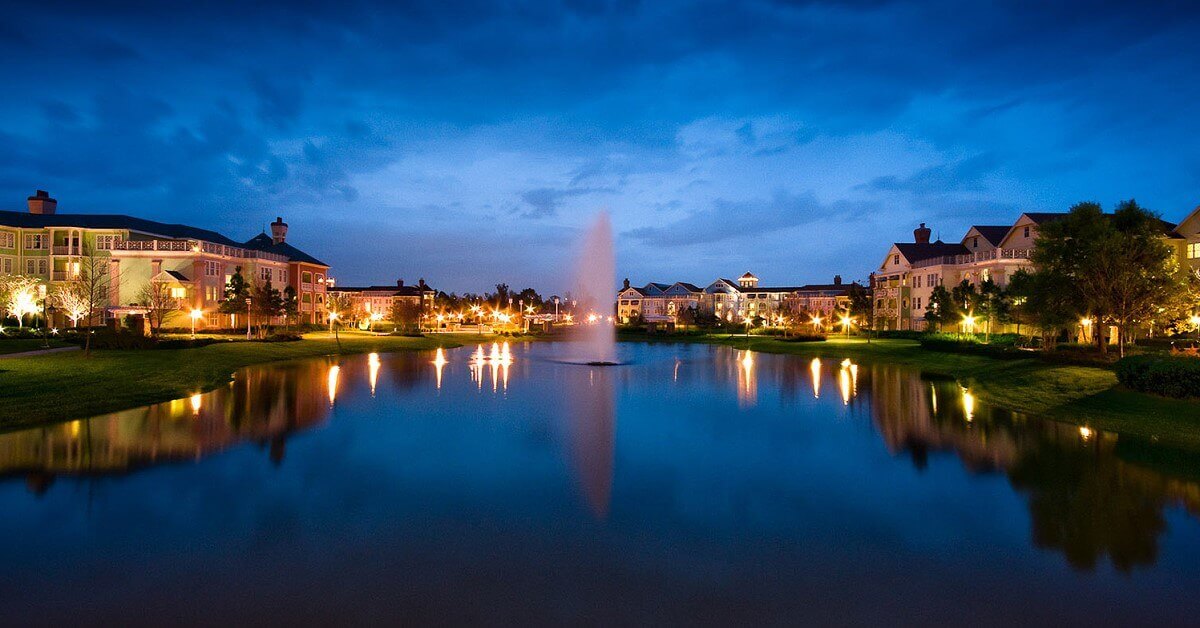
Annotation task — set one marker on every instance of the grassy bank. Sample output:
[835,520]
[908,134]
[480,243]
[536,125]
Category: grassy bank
[1083,395]
[66,385]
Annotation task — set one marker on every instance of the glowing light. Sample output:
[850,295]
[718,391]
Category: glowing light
[195,399]
[592,318]
[933,398]
[333,382]
[1087,322]
[844,385]
[969,322]
[333,316]
[1194,320]
[439,361]
[968,401]
[1085,433]
[816,321]
[846,363]
[373,370]
[54,330]
[815,368]
[477,360]
[196,314]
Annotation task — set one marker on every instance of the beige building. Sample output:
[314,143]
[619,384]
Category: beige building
[376,303]
[730,301]
[194,264]
[905,279]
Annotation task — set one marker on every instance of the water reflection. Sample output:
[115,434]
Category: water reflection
[1085,499]
[1090,496]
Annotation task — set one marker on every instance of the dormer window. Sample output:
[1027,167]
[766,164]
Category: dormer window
[1026,231]
[896,259]
[975,242]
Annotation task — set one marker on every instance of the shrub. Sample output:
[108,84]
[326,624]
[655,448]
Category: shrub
[1167,375]
[186,343]
[803,338]
[903,334]
[281,337]
[974,345]
[120,339]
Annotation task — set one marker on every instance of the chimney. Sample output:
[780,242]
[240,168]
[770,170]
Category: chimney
[626,284]
[399,283]
[41,203]
[921,234]
[279,230]
[837,280]
[421,283]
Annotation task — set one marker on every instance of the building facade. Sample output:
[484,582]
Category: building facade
[729,301]
[192,265]
[378,303]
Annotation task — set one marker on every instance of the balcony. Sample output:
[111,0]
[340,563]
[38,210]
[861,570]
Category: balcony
[974,258]
[58,275]
[63,249]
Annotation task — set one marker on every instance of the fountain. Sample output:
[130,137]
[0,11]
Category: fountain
[595,280]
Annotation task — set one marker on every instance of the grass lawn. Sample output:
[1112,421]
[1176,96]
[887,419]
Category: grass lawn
[63,386]
[20,345]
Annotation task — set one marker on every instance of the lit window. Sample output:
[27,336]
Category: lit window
[1193,250]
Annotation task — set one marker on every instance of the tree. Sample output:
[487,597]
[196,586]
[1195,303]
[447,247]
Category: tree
[156,297]
[405,313]
[291,305]
[860,307]
[93,280]
[942,307]
[71,298]
[1116,266]
[236,293]
[1043,301]
[992,305]
[266,303]
[20,296]
[337,303]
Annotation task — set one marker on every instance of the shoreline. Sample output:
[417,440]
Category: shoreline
[52,388]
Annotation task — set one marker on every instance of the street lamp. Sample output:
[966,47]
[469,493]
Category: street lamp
[846,321]
[1195,321]
[816,323]
[247,318]
[969,322]
[1087,328]
[196,314]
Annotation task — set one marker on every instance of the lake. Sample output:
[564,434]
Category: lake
[499,485]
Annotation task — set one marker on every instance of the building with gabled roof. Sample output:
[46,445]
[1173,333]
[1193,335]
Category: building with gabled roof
[194,263]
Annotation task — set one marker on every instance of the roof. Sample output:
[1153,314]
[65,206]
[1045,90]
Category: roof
[263,242]
[915,252]
[994,234]
[690,286]
[660,286]
[26,220]
[1042,217]
[177,275]
[393,290]
[748,275]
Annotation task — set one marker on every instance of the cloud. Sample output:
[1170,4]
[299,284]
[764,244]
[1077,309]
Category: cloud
[962,175]
[544,202]
[729,220]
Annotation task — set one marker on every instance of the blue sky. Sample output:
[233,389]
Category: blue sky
[470,143]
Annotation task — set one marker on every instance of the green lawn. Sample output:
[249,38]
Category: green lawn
[66,385]
[20,345]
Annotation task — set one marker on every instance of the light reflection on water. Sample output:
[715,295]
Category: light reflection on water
[689,456]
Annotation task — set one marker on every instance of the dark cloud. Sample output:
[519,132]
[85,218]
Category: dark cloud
[962,175]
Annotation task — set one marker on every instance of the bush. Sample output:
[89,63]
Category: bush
[121,339]
[1002,346]
[903,334]
[281,337]
[1167,375]
[186,343]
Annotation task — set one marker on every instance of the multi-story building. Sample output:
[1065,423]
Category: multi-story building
[905,280]
[379,302]
[728,300]
[656,302]
[195,264]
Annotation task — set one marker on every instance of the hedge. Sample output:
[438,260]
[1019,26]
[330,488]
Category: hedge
[1167,375]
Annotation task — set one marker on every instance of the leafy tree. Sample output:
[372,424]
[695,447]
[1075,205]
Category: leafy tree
[405,314]
[236,293]
[992,305]
[942,307]
[267,303]
[1117,266]
[291,305]
[1044,301]
[861,308]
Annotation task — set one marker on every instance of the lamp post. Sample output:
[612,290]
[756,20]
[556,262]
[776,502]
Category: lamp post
[556,309]
[247,318]
[846,321]
[1195,320]
[816,323]
[45,316]
[196,314]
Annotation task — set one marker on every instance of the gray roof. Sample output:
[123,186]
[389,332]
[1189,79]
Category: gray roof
[994,234]
[26,220]
[915,252]
[263,242]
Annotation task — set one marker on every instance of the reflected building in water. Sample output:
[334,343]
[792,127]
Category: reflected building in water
[262,406]
[1086,498]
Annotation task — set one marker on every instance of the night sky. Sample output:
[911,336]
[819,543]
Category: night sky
[470,143]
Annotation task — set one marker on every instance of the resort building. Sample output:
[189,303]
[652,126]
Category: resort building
[905,279]
[376,303]
[729,300]
[194,264]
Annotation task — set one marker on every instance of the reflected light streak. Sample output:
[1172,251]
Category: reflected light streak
[439,361]
[968,404]
[195,399]
[747,388]
[815,368]
[844,385]
[933,398]
[373,370]
[1085,433]
[333,382]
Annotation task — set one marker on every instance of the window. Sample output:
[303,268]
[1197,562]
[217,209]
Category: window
[35,241]
[1026,231]
[8,240]
[283,276]
[320,278]
[305,277]
[212,269]
[43,267]
[178,293]
[896,259]
[1193,250]
[265,273]
[8,265]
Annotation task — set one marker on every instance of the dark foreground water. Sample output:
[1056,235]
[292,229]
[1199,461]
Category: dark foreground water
[695,485]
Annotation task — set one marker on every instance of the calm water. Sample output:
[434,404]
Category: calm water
[694,485]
